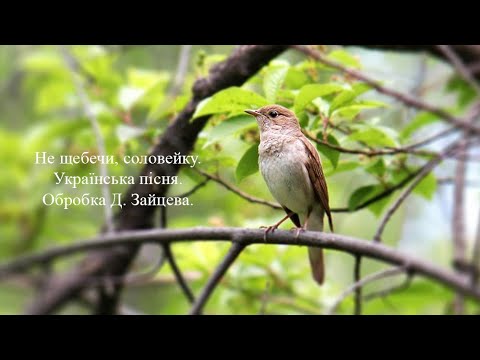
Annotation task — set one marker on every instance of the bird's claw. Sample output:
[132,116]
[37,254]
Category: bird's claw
[268,229]
[297,231]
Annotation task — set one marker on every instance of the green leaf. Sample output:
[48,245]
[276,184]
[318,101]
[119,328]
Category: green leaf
[273,81]
[296,78]
[248,164]
[427,187]
[352,110]
[361,195]
[145,79]
[42,61]
[231,100]
[312,91]
[377,207]
[344,58]
[331,154]
[419,121]
[375,136]
[376,167]
[229,127]
[346,97]
[322,105]
[466,93]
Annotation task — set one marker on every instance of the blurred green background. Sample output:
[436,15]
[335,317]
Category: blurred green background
[130,88]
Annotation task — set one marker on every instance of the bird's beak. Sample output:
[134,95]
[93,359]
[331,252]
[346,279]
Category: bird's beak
[252,112]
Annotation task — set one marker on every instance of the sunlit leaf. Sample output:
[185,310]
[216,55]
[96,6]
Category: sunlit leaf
[375,136]
[229,127]
[273,81]
[421,120]
[231,100]
[344,58]
[248,164]
[312,91]
[427,187]
[331,154]
[128,96]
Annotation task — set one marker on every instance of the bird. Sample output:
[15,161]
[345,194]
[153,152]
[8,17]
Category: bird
[292,170]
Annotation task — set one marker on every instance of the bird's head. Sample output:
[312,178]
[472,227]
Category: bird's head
[275,118]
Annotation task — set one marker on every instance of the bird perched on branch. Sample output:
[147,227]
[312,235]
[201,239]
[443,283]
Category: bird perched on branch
[292,169]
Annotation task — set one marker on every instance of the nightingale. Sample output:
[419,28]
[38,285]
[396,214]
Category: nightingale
[292,170]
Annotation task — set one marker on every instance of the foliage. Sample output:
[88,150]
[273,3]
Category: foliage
[130,97]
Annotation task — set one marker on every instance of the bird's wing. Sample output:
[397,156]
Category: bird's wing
[315,172]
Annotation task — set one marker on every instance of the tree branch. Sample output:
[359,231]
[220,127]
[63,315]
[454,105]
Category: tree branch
[424,171]
[385,292]
[179,137]
[252,236]
[178,274]
[358,290]
[358,285]
[238,191]
[97,133]
[217,275]
[406,99]
[458,64]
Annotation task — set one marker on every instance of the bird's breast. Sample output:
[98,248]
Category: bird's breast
[281,163]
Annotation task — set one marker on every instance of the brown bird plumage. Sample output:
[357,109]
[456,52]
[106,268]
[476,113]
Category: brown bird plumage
[292,169]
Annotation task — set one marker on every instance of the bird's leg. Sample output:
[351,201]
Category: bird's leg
[298,230]
[272,228]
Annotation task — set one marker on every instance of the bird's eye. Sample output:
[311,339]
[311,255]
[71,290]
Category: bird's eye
[273,114]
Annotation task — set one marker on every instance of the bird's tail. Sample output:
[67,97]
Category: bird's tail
[315,254]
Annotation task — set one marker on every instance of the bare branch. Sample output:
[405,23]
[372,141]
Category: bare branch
[424,171]
[90,114]
[376,152]
[368,279]
[406,99]
[358,291]
[182,68]
[217,275]
[178,274]
[194,189]
[273,205]
[247,237]
[179,137]
[239,192]
[388,291]
[461,68]
[476,255]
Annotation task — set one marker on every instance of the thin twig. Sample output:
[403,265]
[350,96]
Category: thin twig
[424,171]
[375,152]
[181,72]
[476,255]
[178,274]
[458,219]
[367,279]
[194,189]
[357,272]
[388,291]
[273,205]
[217,275]
[178,81]
[90,114]
[461,68]
[449,180]
[382,195]
[406,99]
[247,237]
[239,192]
